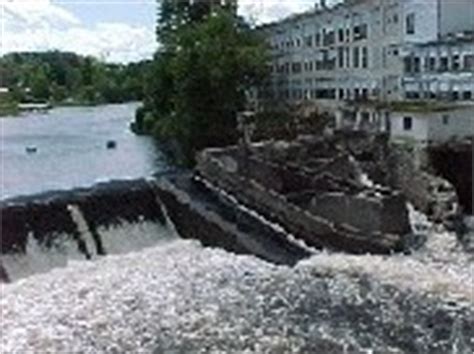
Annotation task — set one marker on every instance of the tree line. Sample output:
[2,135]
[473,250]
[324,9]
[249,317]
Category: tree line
[208,58]
[61,77]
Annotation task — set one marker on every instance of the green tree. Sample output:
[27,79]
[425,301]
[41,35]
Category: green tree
[201,73]
[40,85]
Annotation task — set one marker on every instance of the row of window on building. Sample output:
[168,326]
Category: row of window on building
[361,94]
[453,95]
[360,59]
[416,64]
[325,38]
[322,93]
[342,35]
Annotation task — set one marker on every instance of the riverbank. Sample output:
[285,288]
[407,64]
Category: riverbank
[8,109]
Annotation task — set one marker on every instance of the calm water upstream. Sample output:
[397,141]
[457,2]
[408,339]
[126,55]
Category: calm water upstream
[71,149]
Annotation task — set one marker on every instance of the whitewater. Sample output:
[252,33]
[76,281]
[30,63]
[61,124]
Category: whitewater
[179,297]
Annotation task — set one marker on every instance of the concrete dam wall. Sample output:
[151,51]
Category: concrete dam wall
[47,231]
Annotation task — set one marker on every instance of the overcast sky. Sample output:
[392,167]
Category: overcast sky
[114,30]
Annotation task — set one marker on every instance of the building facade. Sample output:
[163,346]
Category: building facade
[363,51]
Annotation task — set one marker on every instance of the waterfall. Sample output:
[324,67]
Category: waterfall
[43,233]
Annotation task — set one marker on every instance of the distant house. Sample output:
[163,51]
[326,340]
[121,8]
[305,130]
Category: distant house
[432,127]
[418,122]
[4,90]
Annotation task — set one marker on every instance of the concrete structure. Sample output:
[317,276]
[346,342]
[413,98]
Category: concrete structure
[373,51]
[451,124]
[314,190]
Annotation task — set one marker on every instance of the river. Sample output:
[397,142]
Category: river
[71,149]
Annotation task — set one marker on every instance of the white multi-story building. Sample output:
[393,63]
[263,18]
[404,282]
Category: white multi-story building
[360,56]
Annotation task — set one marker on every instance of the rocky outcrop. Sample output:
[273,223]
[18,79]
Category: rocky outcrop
[453,161]
[431,194]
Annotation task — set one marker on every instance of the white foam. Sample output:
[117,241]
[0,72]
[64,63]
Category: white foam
[180,296]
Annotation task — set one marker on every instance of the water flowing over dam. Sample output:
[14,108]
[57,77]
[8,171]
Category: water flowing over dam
[242,284]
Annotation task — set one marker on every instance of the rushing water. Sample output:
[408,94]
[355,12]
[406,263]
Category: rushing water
[71,149]
[182,298]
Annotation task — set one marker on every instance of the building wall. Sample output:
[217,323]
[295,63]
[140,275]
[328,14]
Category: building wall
[456,16]
[456,124]
[306,67]
[426,20]
[418,132]
[434,127]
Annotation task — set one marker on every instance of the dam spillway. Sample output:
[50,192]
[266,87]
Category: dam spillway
[45,231]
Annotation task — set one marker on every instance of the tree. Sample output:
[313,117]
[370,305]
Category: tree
[64,76]
[200,77]
[40,84]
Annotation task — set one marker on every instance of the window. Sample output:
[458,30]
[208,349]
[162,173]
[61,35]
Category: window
[365,94]
[341,94]
[443,64]
[356,94]
[395,18]
[340,56]
[431,64]
[365,57]
[317,40]
[456,62]
[467,95]
[360,32]
[407,123]
[412,95]
[329,38]
[407,63]
[469,62]
[410,24]
[341,35]
[446,119]
[296,68]
[416,64]
[455,95]
[356,57]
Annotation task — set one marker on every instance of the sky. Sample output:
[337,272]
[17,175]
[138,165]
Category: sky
[112,30]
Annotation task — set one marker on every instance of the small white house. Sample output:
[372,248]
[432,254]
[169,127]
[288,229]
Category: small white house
[4,90]
[432,126]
